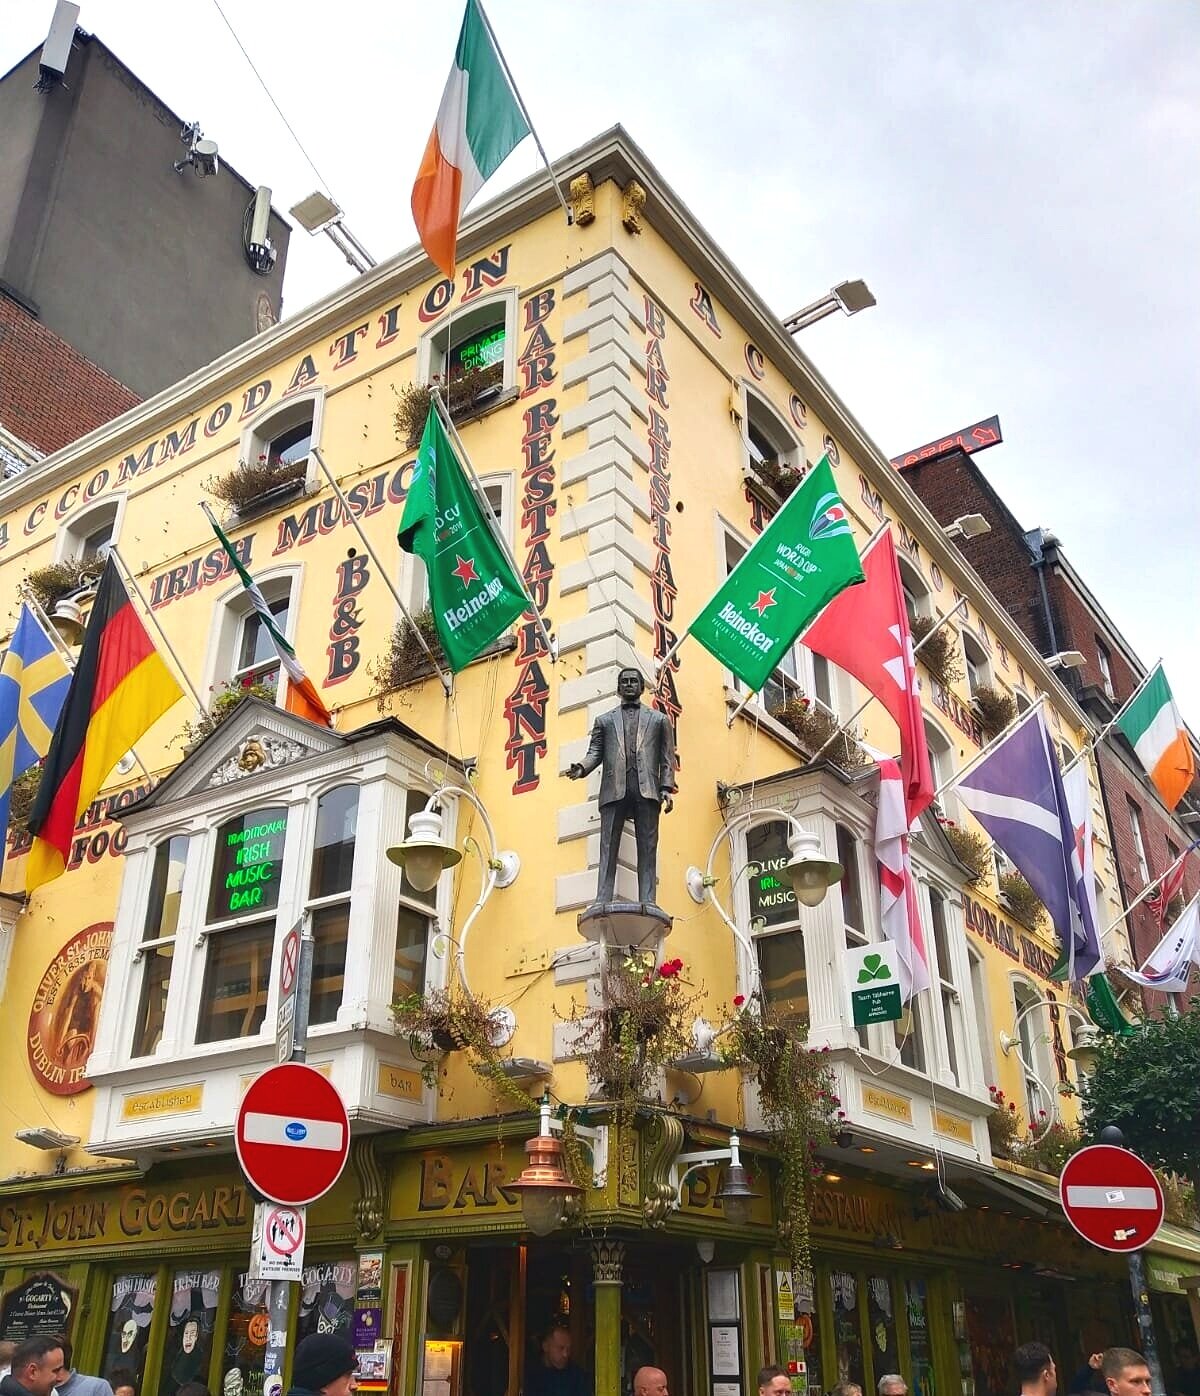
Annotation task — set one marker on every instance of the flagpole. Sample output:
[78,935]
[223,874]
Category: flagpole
[1148,891]
[991,746]
[64,653]
[1107,728]
[141,595]
[481,497]
[512,86]
[443,674]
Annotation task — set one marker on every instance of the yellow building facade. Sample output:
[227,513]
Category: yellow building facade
[639,409]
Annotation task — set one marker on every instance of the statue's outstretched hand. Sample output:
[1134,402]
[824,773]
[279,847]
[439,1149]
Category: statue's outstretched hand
[575,771]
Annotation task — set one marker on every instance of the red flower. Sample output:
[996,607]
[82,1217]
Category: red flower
[670,969]
[1012,1107]
[738,1000]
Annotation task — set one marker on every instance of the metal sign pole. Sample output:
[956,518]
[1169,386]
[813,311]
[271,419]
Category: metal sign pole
[1141,1307]
[280,1293]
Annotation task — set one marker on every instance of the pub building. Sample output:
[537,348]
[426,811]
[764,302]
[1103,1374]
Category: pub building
[636,416]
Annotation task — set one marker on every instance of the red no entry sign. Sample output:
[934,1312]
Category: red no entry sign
[1111,1198]
[292,1135]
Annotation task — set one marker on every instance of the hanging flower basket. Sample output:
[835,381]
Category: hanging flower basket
[1020,899]
[812,727]
[972,849]
[258,486]
[405,661]
[939,654]
[994,709]
[51,583]
[464,395]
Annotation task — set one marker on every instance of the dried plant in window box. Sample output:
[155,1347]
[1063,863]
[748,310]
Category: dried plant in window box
[812,727]
[58,579]
[799,1106]
[939,654]
[404,661]
[21,797]
[464,394]
[994,709]
[1021,900]
[226,698]
[972,849]
[783,479]
[257,484]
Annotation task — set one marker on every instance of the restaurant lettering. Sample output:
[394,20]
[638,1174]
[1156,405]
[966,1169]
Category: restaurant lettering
[135,1214]
[663,589]
[525,706]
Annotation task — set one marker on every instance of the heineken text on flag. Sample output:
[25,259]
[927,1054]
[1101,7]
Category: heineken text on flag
[478,123]
[803,558]
[1156,732]
[473,592]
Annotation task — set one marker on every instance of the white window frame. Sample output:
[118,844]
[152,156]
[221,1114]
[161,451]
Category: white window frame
[915,585]
[977,977]
[947,982]
[461,324]
[141,959]
[1139,839]
[984,678]
[232,608]
[1104,664]
[942,766]
[771,424]
[274,420]
[78,526]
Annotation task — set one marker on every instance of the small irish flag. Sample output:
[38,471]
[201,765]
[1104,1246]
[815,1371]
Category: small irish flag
[478,124]
[1155,730]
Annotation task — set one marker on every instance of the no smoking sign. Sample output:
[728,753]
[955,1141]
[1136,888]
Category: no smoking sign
[277,1248]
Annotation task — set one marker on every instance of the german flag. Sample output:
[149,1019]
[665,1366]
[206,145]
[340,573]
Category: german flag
[120,687]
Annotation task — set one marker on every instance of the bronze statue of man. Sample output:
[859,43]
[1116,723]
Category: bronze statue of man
[635,747]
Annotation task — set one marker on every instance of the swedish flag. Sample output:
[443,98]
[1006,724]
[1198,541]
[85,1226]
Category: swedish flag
[34,679]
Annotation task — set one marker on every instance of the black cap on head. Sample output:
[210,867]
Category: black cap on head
[320,1359]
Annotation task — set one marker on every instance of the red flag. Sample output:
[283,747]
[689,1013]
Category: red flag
[865,630]
[898,912]
[1169,887]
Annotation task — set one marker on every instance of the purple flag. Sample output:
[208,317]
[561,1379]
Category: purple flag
[1016,793]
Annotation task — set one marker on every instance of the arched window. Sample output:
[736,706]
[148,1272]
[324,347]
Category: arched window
[241,650]
[918,599]
[941,765]
[284,435]
[1022,700]
[1033,1037]
[979,666]
[473,354]
[771,445]
[90,532]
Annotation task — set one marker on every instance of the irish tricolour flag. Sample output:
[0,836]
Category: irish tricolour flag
[1154,727]
[478,124]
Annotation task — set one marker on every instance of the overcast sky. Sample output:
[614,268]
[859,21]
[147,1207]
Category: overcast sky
[1018,181]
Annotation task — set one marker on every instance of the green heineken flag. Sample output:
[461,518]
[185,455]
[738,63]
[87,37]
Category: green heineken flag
[1103,1008]
[803,558]
[473,591]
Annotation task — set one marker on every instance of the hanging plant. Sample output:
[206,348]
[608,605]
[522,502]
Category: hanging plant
[442,1021]
[21,797]
[643,1026]
[783,479]
[249,482]
[404,661]
[465,394]
[812,727]
[994,709]
[1179,1199]
[58,579]
[972,848]
[799,1106]
[226,698]
[1021,899]
[1004,1123]
[1050,1149]
[939,654]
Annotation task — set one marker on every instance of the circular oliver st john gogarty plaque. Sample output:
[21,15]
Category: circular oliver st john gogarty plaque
[66,1009]
[42,1304]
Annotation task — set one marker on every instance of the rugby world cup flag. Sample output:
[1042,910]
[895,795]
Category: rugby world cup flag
[802,559]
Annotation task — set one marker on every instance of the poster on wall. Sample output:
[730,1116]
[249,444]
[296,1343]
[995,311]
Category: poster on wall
[246,1338]
[131,1307]
[42,1304]
[327,1298]
[65,1011]
[188,1349]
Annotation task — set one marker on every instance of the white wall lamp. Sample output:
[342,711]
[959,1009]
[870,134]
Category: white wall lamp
[735,1195]
[967,526]
[847,296]
[810,873]
[1084,1053]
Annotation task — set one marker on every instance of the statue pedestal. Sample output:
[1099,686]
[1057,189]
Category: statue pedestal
[630,925]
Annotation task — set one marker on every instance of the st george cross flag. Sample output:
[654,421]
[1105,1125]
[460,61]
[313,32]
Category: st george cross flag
[1170,964]
[301,697]
[34,679]
[899,914]
[473,591]
[865,630]
[478,123]
[1079,805]
[800,562]
[1016,793]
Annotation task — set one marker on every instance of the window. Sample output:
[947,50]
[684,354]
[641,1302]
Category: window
[770,444]
[291,447]
[188,1347]
[979,999]
[242,1360]
[238,940]
[951,1009]
[941,764]
[917,599]
[413,919]
[130,1310]
[910,1030]
[473,355]
[498,493]
[1033,1036]
[801,673]
[979,668]
[91,531]
[256,660]
[853,914]
[772,901]
[329,898]
[1104,664]
[158,942]
[1139,840]
[284,435]
[1022,700]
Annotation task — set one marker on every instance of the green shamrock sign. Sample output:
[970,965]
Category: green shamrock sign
[873,968]
[874,984]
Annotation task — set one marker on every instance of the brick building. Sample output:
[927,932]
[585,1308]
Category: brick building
[1029,572]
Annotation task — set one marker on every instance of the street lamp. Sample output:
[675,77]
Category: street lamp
[1067,659]
[967,526]
[545,1190]
[426,854]
[1084,1053]
[811,876]
[735,1195]
[320,214]
[847,296]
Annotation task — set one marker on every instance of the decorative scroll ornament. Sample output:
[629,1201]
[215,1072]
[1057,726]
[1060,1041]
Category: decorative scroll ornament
[664,1140]
[633,200]
[369,1209]
[583,200]
[262,751]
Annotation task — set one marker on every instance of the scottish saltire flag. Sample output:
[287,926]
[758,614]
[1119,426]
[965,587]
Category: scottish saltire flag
[1169,967]
[34,679]
[1016,793]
